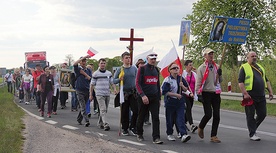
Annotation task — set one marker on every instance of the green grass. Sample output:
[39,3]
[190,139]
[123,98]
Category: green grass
[1,80]
[11,124]
[235,105]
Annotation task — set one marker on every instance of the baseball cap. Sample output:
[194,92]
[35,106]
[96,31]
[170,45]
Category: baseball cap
[207,51]
[247,102]
[151,56]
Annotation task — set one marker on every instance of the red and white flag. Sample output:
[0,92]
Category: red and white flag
[91,52]
[170,57]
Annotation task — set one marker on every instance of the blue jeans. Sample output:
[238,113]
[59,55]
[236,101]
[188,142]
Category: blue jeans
[9,86]
[74,100]
[175,109]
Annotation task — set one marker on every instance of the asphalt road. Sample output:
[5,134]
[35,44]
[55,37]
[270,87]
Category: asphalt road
[232,132]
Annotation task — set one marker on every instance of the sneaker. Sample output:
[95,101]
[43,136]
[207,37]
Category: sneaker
[54,113]
[171,138]
[185,138]
[49,115]
[79,121]
[95,112]
[125,132]
[157,141]
[86,124]
[39,110]
[200,133]
[140,138]
[179,136]
[27,103]
[147,123]
[194,128]
[106,127]
[255,138]
[215,139]
[89,115]
[41,114]
[101,126]
[133,131]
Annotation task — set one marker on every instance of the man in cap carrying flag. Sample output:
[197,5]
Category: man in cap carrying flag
[126,75]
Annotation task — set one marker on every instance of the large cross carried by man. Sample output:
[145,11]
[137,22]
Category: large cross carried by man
[131,39]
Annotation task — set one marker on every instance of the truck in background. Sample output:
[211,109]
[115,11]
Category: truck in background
[34,58]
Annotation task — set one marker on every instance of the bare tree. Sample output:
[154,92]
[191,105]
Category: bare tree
[69,59]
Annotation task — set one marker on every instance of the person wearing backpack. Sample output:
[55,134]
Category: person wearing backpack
[149,98]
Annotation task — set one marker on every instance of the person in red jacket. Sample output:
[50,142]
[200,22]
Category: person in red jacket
[36,75]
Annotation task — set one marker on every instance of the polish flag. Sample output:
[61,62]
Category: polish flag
[170,57]
[91,52]
[143,55]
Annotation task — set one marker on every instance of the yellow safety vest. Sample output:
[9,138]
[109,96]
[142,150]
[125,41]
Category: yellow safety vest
[248,82]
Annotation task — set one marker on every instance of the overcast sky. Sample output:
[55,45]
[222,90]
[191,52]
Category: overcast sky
[62,27]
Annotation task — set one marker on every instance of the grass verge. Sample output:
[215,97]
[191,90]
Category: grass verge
[235,105]
[11,124]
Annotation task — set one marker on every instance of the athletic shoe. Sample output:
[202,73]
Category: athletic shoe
[215,139]
[255,138]
[147,123]
[133,131]
[101,126]
[86,124]
[140,138]
[106,127]
[54,113]
[194,128]
[185,138]
[125,132]
[171,138]
[179,136]
[89,115]
[41,114]
[157,141]
[49,115]
[27,103]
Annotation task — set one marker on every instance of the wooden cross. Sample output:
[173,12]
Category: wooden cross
[131,40]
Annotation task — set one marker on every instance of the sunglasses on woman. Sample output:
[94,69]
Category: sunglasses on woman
[174,68]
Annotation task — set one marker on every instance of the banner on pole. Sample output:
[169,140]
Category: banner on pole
[229,30]
[185,29]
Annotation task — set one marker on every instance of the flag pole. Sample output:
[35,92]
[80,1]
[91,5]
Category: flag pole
[222,55]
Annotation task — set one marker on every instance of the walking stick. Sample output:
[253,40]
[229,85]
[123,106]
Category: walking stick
[120,120]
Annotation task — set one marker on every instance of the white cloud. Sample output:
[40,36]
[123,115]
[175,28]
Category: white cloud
[63,27]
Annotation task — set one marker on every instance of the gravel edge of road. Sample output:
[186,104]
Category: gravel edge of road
[41,137]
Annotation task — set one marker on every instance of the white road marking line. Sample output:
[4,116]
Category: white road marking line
[31,114]
[101,134]
[245,129]
[70,127]
[131,142]
[169,151]
[51,122]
